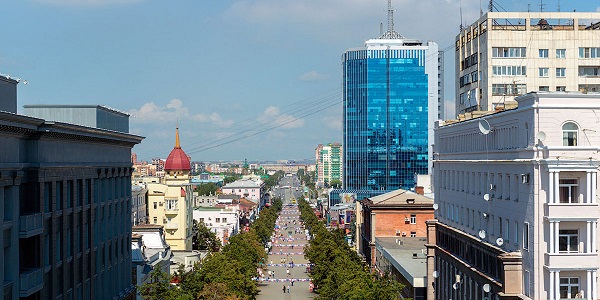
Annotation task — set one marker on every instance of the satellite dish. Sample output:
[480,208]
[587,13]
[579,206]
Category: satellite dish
[487,288]
[435,206]
[455,286]
[486,197]
[435,274]
[482,234]
[499,241]
[541,136]
[484,215]
[484,126]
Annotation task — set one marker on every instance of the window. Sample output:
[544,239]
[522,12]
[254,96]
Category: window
[224,220]
[568,241]
[587,52]
[544,88]
[155,205]
[561,53]
[171,204]
[155,219]
[569,191]
[569,287]
[526,236]
[509,89]
[543,53]
[570,134]
[413,219]
[589,71]
[516,230]
[561,88]
[543,72]
[560,72]
[202,220]
[413,234]
[502,52]
[217,220]
[509,70]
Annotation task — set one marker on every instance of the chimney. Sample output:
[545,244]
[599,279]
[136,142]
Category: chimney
[420,190]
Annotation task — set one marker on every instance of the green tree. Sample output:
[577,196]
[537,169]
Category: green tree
[158,287]
[206,189]
[336,184]
[205,239]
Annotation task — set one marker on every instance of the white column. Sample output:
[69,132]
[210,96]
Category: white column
[556,187]
[551,187]
[551,288]
[594,288]
[588,184]
[588,240]
[551,246]
[594,174]
[588,288]
[557,285]
[594,241]
[556,230]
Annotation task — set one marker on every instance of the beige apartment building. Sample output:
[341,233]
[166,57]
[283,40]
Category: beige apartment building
[170,199]
[506,54]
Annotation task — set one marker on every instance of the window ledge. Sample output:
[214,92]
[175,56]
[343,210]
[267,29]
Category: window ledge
[591,148]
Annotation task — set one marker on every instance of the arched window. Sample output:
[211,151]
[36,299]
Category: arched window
[570,130]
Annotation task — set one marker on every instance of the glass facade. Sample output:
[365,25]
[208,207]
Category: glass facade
[385,117]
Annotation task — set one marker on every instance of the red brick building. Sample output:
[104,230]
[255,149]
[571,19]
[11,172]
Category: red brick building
[399,214]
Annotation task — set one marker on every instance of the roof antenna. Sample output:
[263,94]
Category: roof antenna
[460,28]
[390,33]
[491,6]
[542,5]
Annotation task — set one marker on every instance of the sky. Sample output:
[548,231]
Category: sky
[243,79]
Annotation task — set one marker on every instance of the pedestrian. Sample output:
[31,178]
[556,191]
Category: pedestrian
[288,289]
[292,282]
[284,288]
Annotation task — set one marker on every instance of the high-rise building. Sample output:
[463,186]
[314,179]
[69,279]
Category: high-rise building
[390,92]
[518,211]
[505,54]
[170,200]
[65,193]
[328,163]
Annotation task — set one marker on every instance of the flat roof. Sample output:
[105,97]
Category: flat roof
[400,255]
[102,107]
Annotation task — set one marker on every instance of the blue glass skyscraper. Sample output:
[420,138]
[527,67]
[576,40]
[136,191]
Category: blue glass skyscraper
[390,90]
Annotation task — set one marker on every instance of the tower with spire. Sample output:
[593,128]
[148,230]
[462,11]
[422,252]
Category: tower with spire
[170,202]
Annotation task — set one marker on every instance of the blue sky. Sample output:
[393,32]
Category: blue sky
[254,79]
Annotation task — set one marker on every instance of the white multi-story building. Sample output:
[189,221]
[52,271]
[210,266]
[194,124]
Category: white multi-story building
[516,193]
[505,54]
[224,222]
[139,214]
[329,163]
[251,189]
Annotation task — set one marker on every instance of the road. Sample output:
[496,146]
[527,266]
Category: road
[287,253]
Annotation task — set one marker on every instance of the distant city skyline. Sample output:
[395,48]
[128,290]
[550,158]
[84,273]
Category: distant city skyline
[255,79]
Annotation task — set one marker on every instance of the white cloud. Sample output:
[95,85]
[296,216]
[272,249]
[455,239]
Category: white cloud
[87,2]
[175,111]
[274,117]
[333,122]
[313,76]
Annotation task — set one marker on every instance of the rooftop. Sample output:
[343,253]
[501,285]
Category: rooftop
[401,252]
[400,197]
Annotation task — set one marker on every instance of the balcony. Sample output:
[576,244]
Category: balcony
[571,211]
[570,261]
[30,225]
[171,211]
[172,226]
[31,281]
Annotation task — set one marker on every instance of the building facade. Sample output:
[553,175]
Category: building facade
[251,189]
[170,199]
[505,54]
[139,211]
[64,196]
[516,193]
[390,93]
[328,163]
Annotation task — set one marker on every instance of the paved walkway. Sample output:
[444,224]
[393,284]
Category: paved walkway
[288,243]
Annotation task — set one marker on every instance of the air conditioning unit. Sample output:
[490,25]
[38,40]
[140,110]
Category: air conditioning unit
[160,204]
[492,187]
[403,233]
[406,220]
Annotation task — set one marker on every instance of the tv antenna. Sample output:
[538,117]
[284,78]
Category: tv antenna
[390,33]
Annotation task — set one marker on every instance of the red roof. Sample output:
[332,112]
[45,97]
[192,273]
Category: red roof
[177,160]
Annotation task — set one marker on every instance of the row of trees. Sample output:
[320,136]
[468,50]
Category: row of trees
[227,274]
[338,272]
